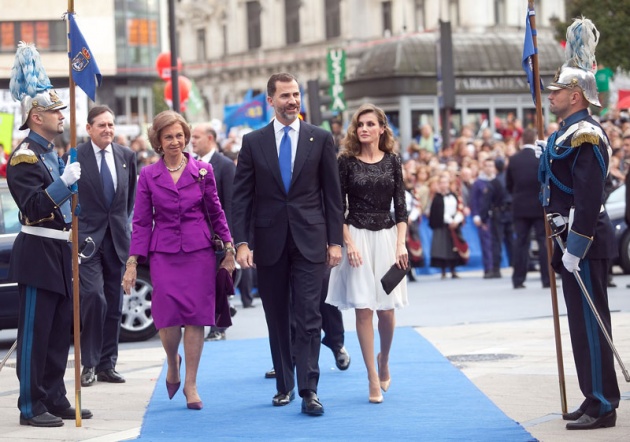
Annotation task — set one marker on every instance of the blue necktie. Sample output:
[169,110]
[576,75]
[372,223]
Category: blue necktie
[284,157]
[108,182]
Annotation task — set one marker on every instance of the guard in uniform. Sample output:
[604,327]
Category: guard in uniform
[41,261]
[572,172]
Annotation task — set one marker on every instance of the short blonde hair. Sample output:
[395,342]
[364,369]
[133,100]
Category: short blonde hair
[162,121]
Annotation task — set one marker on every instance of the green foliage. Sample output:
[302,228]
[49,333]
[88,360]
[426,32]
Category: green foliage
[612,19]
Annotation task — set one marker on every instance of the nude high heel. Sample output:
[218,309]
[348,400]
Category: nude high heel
[378,398]
[384,384]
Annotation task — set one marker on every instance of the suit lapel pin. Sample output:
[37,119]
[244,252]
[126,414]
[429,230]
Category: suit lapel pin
[311,139]
[124,166]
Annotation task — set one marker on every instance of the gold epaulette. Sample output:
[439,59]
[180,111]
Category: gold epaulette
[23,155]
[586,133]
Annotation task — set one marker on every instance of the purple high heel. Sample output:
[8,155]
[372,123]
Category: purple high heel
[172,388]
[193,405]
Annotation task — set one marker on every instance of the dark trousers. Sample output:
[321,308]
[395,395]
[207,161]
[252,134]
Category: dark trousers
[332,321]
[502,233]
[292,287]
[485,241]
[42,350]
[245,286]
[101,306]
[522,228]
[593,356]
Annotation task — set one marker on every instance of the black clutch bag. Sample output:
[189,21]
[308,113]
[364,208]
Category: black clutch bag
[392,278]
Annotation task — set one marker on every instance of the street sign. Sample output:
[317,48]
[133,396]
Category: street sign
[336,76]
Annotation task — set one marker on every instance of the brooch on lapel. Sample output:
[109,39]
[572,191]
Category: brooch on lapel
[202,173]
[124,166]
[311,139]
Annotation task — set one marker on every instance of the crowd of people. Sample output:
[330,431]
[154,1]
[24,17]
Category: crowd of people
[322,218]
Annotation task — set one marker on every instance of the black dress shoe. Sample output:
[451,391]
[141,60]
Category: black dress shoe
[342,359]
[311,404]
[282,399]
[43,420]
[519,286]
[546,285]
[71,413]
[88,376]
[110,375]
[573,416]
[271,374]
[586,422]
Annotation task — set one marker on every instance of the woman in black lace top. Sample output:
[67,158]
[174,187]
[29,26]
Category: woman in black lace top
[371,180]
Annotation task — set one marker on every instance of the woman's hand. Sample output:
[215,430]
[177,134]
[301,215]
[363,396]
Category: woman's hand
[228,262]
[354,256]
[402,258]
[129,279]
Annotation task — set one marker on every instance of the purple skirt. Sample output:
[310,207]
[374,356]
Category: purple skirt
[183,288]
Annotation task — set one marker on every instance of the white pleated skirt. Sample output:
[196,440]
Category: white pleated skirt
[360,287]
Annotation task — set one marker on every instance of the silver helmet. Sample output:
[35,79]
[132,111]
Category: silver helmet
[569,77]
[30,85]
[47,100]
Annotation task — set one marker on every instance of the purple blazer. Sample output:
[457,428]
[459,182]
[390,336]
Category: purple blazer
[169,217]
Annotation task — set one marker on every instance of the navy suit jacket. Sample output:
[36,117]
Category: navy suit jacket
[95,217]
[522,182]
[312,209]
[224,170]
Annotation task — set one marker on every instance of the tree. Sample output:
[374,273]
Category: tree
[612,19]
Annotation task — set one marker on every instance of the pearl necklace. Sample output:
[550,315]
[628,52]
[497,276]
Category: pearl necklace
[178,167]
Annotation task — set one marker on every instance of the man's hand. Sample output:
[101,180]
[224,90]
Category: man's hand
[540,147]
[571,262]
[71,173]
[244,256]
[334,255]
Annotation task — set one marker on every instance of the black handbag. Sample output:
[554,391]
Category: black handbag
[217,243]
[392,278]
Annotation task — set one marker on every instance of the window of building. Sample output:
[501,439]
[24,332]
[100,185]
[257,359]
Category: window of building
[333,19]
[499,12]
[253,25]
[201,45]
[48,36]
[386,10]
[419,16]
[292,20]
[453,10]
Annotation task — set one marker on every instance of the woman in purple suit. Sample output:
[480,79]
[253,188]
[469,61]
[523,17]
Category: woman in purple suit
[176,197]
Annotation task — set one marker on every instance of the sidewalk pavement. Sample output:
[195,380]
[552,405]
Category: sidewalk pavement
[513,363]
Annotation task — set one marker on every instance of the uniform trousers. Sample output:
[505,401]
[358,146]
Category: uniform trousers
[44,334]
[594,360]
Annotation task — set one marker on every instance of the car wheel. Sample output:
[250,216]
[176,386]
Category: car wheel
[137,321]
[624,252]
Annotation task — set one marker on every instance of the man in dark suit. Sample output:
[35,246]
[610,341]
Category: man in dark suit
[287,184]
[106,196]
[203,139]
[527,213]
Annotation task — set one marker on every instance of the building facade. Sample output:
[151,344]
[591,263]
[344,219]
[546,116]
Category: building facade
[231,46]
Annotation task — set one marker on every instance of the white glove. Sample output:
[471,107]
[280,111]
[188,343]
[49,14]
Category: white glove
[540,147]
[570,262]
[71,173]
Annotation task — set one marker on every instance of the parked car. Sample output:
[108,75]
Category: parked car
[616,208]
[137,322]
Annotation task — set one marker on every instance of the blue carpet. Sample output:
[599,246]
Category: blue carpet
[429,400]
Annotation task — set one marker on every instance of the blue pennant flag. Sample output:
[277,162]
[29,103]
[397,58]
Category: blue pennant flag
[252,112]
[85,72]
[528,52]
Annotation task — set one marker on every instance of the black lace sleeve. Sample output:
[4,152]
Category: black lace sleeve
[400,206]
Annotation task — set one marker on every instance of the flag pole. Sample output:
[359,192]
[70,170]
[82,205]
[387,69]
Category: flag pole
[75,239]
[552,273]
